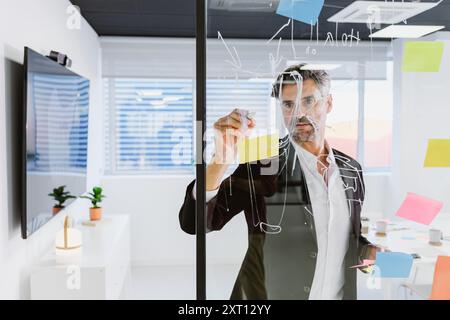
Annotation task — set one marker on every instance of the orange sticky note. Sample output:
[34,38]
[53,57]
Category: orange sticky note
[441,279]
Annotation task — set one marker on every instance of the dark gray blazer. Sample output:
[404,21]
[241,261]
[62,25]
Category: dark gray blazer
[280,264]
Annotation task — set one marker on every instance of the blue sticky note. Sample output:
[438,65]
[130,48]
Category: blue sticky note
[394,264]
[306,11]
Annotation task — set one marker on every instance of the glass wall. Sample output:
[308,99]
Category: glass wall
[294,115]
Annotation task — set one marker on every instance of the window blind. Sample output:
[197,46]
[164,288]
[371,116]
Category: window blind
[149,122]
[148,125]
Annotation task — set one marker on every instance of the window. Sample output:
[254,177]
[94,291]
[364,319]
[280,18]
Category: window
[150,121]
[367,139]
[149,127]
[342,122]
[378,118]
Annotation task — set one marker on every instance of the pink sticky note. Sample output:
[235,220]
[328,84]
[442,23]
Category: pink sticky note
[419,208]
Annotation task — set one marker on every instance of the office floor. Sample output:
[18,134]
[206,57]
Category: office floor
[161,283]
[178,283]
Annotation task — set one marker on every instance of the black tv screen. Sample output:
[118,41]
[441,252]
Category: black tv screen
[56,105]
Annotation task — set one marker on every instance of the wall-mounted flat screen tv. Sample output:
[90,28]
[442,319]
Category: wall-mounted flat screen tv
[56,105]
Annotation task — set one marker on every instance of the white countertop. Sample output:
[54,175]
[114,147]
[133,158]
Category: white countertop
[411,237]
[98,243]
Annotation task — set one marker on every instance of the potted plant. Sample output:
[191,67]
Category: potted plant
[95,197]
[60,196]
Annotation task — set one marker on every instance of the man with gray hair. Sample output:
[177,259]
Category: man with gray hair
[303,218]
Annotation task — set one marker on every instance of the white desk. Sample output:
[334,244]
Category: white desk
[410,237]
[104,265]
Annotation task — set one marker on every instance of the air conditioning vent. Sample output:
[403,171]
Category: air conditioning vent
[380,12]
[244,5]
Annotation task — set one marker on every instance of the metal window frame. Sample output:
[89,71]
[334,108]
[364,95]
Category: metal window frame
[360,152]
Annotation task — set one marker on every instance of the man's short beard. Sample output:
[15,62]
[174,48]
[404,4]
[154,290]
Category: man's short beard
[300,137]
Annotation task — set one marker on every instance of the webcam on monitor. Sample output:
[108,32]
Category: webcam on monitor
[60,58]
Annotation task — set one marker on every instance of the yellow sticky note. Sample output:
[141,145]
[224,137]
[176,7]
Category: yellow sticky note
[422,56]
[258,148]
[438,153]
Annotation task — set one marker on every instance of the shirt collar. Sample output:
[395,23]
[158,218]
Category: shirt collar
[311,159]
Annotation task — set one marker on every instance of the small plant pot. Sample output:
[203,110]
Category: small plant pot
[95,214]
[55,210]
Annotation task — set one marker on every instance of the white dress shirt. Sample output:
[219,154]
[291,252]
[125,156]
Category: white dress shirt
[332,224]
[208,194]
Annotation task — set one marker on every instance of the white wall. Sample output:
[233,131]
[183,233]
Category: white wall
[422,111]
[377,195]
[153,204]
[40,25]
[156,236]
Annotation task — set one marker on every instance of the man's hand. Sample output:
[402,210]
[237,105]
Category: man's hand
[369,258]
[372,251]
[228,131]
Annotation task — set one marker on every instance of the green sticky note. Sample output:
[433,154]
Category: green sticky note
[438,153]
[422,56]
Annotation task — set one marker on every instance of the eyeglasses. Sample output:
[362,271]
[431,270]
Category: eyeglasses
[307,103]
